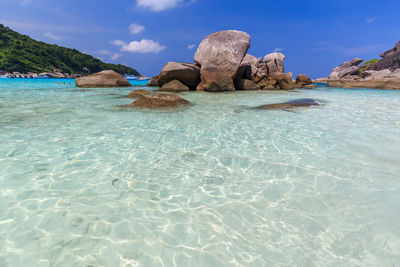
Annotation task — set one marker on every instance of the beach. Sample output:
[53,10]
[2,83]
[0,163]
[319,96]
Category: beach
[217,183]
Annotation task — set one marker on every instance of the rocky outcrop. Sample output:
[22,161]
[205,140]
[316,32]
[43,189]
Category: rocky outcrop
[103,79]
[298,103]
[174,86]
[390,60]
[138,93]
[347,68]
[220,55]
[222,64]
[186,73]
[159,101]
[379,74]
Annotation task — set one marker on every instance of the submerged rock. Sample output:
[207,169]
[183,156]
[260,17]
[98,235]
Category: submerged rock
[174,86]
[103,79]
[220,55]
[159,101]
[304,102]
[138,93]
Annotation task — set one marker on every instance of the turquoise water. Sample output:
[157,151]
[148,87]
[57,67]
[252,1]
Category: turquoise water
[86,183]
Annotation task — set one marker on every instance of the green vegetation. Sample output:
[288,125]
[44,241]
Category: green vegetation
[23,54]
[367,64]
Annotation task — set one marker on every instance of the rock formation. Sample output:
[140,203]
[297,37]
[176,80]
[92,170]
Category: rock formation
[379,74]
[106,78]
[222,64]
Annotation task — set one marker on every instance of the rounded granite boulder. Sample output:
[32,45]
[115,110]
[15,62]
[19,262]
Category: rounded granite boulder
[103,79]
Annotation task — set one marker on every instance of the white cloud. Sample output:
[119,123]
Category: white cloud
[136,28]
[143,47]
[371,20]
[276,50]
[52,36]
[116,56]
[158,5]
[190,47]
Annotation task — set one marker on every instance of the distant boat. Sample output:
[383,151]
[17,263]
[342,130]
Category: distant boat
[131,77]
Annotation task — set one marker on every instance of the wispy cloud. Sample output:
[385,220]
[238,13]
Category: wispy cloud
[190,47]
[371,20]
[143,47]
[52,36]
[160,5]
[136,28]
[350,51]
[115,56]
[276,50]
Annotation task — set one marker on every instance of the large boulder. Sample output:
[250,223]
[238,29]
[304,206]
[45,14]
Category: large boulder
[284,80]
[103,79]
[186,73]
[159,101]
[346,69]
[274,61]
[221,53]
[215,81]
[174,86]
[245,84]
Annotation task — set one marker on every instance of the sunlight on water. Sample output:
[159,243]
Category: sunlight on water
[215,184]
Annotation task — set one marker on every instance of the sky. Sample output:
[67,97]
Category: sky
[315,36]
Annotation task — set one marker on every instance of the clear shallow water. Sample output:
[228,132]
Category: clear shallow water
[84,183]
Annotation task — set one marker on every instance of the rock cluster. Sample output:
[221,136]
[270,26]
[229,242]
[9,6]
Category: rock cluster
[380,74]
[222,64]
[159,101]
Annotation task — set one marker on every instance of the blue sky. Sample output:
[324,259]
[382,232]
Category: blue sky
[314,35]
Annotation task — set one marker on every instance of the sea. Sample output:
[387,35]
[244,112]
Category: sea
[86,182]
